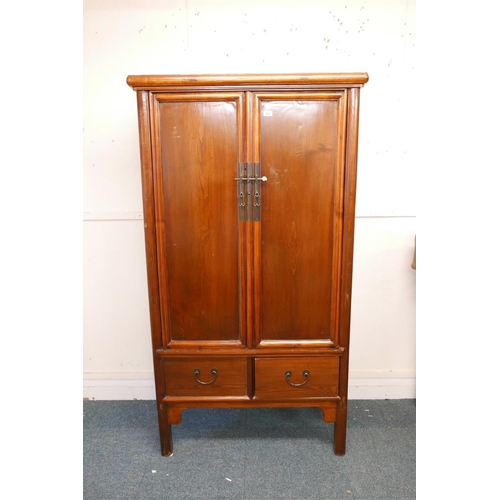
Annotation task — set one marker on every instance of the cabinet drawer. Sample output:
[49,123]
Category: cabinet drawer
[206,376]
[282,378]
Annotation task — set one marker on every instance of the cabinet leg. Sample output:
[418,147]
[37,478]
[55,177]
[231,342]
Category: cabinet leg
[165,432]
[340,432]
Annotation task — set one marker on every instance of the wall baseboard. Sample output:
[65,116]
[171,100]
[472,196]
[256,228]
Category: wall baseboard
[362,385]
[395,388]
[138,215]
[118,386]
[382,384]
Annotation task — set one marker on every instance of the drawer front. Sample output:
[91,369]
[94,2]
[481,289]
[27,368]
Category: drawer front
[283,378]
[206,376]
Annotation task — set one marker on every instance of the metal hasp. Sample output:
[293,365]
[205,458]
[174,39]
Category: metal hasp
[249,173]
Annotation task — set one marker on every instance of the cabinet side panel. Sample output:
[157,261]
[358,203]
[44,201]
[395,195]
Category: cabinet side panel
[199,155]
[150,233]
[348,236]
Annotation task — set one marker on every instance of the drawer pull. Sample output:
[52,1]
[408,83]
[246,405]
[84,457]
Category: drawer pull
[288,374]
[213,371]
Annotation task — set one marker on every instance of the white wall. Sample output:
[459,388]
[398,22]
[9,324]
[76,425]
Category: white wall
[257,36]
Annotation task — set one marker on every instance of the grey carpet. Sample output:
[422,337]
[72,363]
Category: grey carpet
[251,454]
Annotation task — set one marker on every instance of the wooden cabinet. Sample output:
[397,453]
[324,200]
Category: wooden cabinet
[249,191]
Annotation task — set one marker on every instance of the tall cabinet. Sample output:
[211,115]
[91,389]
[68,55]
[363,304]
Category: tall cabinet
[249,191]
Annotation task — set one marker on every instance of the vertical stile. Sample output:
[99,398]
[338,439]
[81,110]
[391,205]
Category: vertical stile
[257,232]
[242,257]
[159,223]
[249,229]
[338,211]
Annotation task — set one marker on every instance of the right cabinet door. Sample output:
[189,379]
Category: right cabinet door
[298,142]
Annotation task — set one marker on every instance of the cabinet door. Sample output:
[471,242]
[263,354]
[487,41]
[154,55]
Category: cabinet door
[298,144]
[197,145]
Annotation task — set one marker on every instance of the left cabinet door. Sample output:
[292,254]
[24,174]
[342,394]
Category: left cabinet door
[197,143]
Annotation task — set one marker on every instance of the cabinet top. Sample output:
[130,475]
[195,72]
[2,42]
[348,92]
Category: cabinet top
[158,82]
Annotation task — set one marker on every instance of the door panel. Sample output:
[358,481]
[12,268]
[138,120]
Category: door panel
[200,144]
[297,242]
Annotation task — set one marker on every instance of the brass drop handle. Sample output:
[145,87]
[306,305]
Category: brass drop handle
[288,374]
[213,371]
